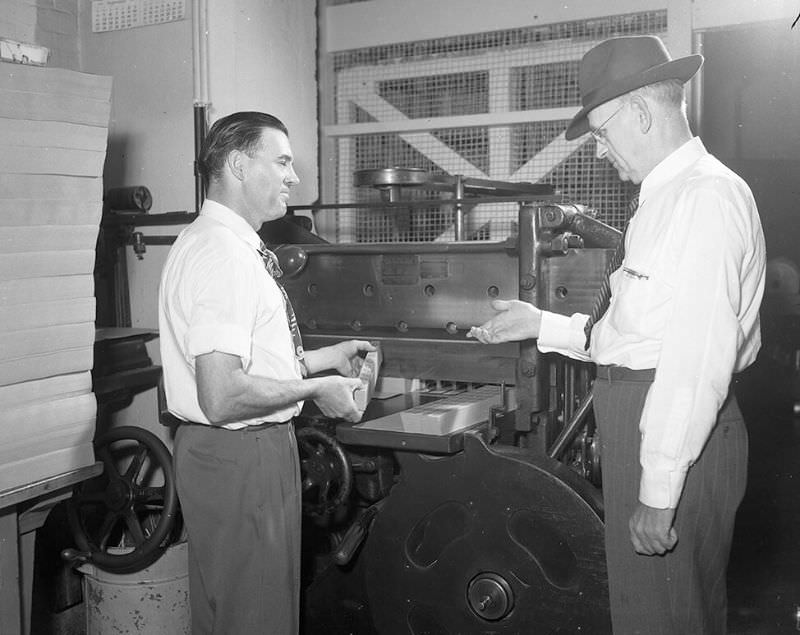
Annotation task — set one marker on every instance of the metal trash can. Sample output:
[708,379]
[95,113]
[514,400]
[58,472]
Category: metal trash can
[154,600]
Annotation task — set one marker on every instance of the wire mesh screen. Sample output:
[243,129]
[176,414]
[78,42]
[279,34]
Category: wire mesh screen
[488,106]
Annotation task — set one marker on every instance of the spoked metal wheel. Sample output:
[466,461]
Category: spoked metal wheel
[124,519]
[326,473]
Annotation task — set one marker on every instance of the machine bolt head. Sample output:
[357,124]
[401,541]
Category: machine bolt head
[490,596]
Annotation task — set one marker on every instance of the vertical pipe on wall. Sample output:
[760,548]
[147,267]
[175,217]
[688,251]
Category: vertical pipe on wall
[696,101]
[201,103]
[329,148]
[200,129]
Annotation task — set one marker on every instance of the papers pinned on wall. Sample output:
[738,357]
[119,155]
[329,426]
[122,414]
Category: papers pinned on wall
[115,15]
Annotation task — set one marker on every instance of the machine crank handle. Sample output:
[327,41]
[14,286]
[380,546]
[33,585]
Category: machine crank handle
[355,535]
[75,558]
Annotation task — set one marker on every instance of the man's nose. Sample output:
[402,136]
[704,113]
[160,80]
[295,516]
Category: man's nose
[292,178]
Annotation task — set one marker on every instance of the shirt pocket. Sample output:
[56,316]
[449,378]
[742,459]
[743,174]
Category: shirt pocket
[642,294]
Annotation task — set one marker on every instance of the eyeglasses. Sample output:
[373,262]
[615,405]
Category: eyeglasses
[599,133]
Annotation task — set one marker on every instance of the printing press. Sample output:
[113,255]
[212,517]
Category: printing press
[467,499]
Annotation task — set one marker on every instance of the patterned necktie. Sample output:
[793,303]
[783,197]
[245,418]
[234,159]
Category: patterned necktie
[603,297]
[274,270]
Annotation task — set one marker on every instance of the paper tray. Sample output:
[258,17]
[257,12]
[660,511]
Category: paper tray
[389,432]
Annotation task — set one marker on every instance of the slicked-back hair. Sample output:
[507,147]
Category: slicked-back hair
[238,131]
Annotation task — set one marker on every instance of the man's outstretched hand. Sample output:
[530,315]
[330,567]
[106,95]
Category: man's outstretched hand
[515,321]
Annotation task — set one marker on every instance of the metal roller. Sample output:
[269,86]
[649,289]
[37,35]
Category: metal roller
[136,198]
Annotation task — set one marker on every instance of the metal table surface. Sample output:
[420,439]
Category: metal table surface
[23,509]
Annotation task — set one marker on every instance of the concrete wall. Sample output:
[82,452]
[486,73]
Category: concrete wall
[263,57]
[49,23]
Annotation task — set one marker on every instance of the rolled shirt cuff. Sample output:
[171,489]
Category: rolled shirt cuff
[661,489]
[559,333]
[222,338]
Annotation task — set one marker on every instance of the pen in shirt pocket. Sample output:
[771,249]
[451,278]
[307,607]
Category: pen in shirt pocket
[635,274]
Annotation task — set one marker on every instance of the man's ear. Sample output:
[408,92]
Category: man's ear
[235,162]
[643,113]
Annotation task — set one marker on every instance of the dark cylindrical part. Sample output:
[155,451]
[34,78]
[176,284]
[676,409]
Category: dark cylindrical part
[136,198]
[200,131]
[528,381]
[595,233]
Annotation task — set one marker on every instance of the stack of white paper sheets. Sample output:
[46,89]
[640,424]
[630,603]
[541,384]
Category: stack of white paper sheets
[54,126]
[452,413]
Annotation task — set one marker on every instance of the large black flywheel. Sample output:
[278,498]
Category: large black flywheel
[487,541]
[124,519]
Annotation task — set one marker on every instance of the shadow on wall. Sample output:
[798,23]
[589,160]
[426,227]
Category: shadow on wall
[751,88]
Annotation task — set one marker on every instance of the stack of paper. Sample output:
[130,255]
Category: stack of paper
[452,413]
[369,377]
[54,126]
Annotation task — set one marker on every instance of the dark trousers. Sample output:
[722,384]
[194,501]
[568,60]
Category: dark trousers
[684,591]
[240,498]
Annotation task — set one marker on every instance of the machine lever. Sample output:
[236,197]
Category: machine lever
[75,557]
[572,428]
[355,535]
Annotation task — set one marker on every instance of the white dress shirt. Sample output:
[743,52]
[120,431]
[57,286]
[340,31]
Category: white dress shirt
[685,301]
[216,295]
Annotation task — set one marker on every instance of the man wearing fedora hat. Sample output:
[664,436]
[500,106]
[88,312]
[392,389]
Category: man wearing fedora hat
[682,319]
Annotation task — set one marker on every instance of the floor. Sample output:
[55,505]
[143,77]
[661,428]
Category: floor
[764,572]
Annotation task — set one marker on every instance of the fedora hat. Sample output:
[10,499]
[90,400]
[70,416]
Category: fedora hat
[622,64]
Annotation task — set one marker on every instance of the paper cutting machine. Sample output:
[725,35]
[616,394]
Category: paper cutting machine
[474,503]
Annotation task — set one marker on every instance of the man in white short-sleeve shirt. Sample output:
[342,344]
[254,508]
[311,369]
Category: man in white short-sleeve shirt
[235,374]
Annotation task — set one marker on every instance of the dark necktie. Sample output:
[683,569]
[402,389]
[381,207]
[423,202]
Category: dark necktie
[603,297]
[274,270]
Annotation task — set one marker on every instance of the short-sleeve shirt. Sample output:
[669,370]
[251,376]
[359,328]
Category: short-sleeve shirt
[216,295]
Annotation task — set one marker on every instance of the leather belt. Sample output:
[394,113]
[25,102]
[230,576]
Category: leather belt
[250,428]
[263,426]
[621,373]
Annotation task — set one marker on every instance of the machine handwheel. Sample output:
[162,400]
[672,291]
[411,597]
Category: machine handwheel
[121,521]
[325,471]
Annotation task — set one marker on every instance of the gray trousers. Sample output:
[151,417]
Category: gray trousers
[240,497]
[684,591]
